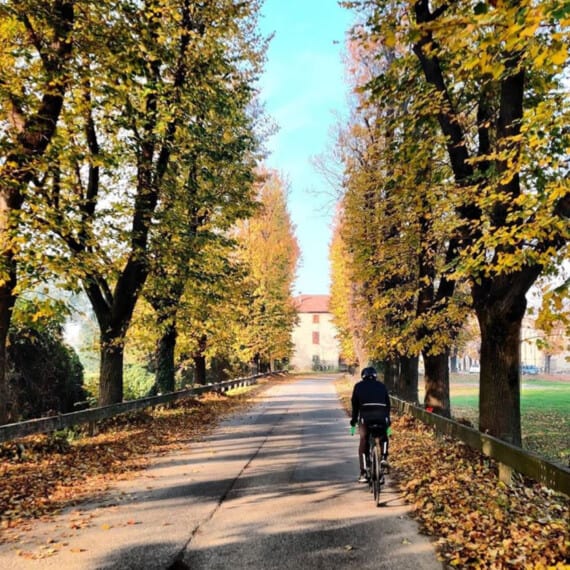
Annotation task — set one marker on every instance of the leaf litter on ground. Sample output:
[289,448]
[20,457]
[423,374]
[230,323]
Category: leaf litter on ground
[40,475]
[477,521]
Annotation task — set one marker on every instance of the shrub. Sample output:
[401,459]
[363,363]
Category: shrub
[45,376]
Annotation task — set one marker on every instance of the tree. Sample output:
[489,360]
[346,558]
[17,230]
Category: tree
[270,251]
[344,291]
[212,310]
[212,187]
[34,78]
[362,208]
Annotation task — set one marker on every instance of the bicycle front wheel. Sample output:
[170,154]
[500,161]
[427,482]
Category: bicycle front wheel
[376,475]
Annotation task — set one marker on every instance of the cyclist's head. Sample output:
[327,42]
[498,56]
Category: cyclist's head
[369,373]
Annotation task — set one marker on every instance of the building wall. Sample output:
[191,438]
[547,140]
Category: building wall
[530,352]
[315,342]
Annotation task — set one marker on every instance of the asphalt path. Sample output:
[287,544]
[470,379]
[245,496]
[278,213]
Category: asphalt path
[274,487]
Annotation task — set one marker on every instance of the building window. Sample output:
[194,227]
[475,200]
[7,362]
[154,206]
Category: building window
[316,339]
[315,318]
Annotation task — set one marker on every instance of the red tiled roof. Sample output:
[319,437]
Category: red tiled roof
[312,303]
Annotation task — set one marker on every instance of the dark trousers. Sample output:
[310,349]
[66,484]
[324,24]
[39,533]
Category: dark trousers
[363,446]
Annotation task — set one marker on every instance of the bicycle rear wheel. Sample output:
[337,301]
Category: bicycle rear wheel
[376,475]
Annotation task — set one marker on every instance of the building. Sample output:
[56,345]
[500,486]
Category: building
[315,336]
[549,353]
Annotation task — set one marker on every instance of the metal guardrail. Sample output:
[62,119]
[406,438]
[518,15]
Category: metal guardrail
[13,431]
[552,475]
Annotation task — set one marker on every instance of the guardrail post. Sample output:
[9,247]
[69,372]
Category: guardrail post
[92,429]
[505,473]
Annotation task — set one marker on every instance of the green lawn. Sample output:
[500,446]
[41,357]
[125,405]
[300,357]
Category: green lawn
[545,409]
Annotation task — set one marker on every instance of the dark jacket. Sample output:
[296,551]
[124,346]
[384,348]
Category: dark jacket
[370,402]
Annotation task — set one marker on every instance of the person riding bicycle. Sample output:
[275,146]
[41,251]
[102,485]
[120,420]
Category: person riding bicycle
[370,406]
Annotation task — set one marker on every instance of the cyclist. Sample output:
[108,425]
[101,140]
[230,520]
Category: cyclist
[370,405]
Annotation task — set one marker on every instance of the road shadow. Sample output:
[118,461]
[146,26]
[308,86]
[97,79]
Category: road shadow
[232,441]
[351,544]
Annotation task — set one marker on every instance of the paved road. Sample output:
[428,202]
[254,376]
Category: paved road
[273,488]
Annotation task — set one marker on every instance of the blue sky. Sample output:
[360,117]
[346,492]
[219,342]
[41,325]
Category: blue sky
[304,91]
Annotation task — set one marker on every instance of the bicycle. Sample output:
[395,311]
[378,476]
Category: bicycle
[376,468]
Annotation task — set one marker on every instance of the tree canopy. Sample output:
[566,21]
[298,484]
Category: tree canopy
[470,111]
[130,137]
[270,250]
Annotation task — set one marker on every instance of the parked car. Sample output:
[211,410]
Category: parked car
[474,369]
[529,369]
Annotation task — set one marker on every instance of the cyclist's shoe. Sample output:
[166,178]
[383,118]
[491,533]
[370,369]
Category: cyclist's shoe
[363,478]
[381,480]
[385,465]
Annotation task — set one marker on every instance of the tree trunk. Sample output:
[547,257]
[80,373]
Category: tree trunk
[200,361]
[111,371]
[454,360]
[114,321]
[499,393]
[408,379]
[361,359]
[500,301]
[7,300]
[500,305]
[18,165]
[4,417]
[200,369]
[165,369]
[437,383]
[391,373]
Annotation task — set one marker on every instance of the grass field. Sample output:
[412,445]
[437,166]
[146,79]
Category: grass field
[545,410]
